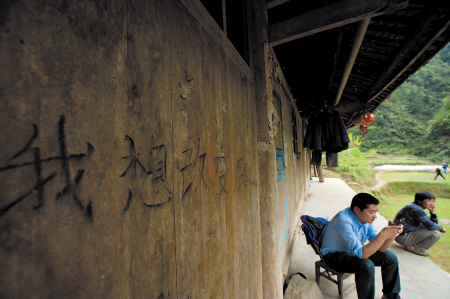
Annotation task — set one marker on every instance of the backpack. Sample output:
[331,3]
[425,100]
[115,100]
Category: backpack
[314,228]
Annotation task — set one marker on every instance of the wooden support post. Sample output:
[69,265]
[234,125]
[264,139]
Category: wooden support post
[271,283]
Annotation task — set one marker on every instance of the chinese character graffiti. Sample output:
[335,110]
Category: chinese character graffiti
[221,171]
[242,173]
[37,165]
[193,173]
[157,171]
[134,161]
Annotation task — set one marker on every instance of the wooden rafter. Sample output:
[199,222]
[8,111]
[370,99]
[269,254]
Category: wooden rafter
[336,57]
[274,3]
[328,17]
[412,44]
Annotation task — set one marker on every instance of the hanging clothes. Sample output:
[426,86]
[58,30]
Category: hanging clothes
[332,160]
[326,132]
[316,158]
[313,136]
[334,134]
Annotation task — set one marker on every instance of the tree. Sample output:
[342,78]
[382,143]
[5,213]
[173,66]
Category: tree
[439,126]
[415,114]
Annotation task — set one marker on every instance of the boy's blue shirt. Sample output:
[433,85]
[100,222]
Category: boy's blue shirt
[346,234]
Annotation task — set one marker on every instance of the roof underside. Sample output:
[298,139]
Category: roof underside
[313,44]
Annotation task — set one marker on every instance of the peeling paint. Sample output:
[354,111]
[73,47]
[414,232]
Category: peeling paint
[185,91]
[263,147]
[271,136]
[285,154]
[219,135]
[185,116]
[222,167]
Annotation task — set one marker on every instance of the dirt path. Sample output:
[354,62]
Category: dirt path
[379,183]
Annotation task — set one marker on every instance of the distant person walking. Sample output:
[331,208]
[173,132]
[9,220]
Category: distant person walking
[445,166]
[438,173]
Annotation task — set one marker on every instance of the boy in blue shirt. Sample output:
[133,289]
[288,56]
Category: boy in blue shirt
[344,247]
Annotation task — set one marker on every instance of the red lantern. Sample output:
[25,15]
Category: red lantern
[363,120]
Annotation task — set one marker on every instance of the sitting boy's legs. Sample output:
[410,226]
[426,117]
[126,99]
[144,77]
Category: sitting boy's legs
[364,270]
[422,239]
[389,272]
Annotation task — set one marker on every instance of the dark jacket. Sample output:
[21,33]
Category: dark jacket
[326,132]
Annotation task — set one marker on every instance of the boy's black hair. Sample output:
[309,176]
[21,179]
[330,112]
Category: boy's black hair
[420,196]
[363,200]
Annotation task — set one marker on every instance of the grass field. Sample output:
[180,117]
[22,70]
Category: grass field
[413,182]
[413,176]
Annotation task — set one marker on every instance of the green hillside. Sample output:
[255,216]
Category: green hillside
[415,119]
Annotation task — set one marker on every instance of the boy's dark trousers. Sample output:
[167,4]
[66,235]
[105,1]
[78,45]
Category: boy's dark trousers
[364,270]
[439,174]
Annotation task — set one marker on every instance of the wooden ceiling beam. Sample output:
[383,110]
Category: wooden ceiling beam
[273,3]
[328,17]
[374,55]
[336,57]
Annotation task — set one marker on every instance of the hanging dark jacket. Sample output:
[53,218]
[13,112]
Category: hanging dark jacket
[313,136]
[326,132]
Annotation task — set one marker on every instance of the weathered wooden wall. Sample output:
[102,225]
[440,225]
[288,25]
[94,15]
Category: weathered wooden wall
[291,185]
[129,160]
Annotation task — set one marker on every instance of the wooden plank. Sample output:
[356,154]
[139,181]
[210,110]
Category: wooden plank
[328,17]
[215,254]
[197,9]
[224,17]
[148,216]
[188,152]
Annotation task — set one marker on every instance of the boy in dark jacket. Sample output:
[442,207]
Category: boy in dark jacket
[420,231]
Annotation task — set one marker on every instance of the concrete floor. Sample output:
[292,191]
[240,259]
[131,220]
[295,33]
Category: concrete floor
[420,277]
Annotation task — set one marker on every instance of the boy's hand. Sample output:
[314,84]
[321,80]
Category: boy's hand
[390,232]
[396,223]
[432,209]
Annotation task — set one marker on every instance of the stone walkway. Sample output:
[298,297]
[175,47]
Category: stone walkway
[420,277]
